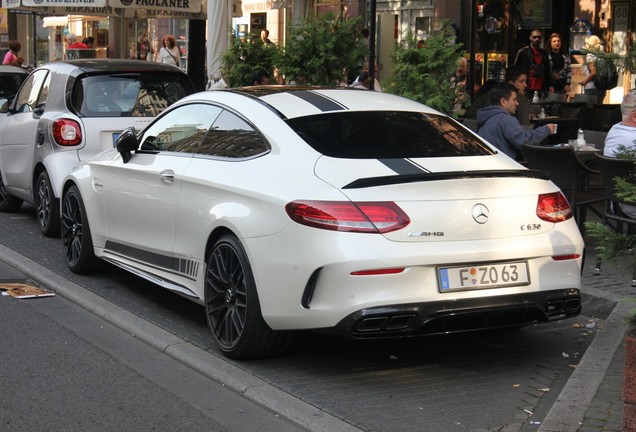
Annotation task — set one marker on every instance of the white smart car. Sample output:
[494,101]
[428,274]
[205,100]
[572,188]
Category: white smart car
[287,208]
[67,111]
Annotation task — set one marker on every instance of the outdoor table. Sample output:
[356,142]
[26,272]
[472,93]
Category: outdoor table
[566,129]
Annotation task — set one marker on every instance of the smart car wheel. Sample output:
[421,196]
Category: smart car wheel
[76,234]
[232,306]
[8,203]
[47,206]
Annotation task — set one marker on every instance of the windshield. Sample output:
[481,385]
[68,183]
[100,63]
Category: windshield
[387,134]
[128,95]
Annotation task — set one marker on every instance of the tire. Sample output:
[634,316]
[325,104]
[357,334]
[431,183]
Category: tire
[232,307]
[76,234]
[8,203]
[47,206]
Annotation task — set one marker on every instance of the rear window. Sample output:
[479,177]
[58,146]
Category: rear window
[128,95]
[387,134]
[9,84]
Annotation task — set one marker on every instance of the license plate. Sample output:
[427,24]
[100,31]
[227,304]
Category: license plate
[483,276]
[115,138]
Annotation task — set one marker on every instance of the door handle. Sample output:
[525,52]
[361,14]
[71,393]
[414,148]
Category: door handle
[167,176]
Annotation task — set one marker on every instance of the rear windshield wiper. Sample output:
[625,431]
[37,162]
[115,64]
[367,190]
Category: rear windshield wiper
[449,175]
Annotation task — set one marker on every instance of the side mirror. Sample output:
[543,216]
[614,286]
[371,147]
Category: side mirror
[127,143]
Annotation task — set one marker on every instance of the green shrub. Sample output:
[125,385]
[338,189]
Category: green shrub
[424,74]
[321,50]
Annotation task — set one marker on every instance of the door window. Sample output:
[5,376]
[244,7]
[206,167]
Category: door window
[28,97]
[180,130]
[232,137]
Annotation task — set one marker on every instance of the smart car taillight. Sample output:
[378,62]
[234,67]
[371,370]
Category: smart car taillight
[553,207]
[66,132]
[363,217]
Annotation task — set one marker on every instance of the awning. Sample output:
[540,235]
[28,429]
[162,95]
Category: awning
[55,21]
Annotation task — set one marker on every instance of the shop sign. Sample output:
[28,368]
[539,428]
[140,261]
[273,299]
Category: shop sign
[89,3]
[8,4]
[150,8]
[192,6]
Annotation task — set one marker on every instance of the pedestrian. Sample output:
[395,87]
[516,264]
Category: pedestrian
[560,65]
[592,43]
[497,125]
[89,41]
[376,84]
[519,79]
[169,53]
[144,50]
[621,138]
[265,37]
[516,76]
[362,82]
[73,43]
[260,77]
[11,57]
[458,86]
[534,60]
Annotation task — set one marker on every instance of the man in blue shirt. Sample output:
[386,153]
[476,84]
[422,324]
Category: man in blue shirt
[498,125]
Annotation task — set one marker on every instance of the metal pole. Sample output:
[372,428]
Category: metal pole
[372,21]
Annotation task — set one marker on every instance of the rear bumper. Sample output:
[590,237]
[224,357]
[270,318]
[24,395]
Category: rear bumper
[453,316]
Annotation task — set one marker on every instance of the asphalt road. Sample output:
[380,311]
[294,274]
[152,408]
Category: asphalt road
[488,381]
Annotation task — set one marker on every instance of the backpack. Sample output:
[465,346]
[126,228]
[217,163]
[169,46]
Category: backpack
[606,77]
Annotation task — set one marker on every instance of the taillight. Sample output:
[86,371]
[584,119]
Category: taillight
[67,132]
[553,207]
[363,217]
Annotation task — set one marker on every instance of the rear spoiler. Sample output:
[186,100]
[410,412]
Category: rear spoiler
[449,175]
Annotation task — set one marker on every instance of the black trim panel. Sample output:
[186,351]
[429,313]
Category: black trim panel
[403,166]
[461,315]
[321,102]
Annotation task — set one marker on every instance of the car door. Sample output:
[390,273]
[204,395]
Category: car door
[20,131]
[141,196]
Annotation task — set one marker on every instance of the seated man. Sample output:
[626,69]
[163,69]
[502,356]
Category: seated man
[498,125]
[621,139]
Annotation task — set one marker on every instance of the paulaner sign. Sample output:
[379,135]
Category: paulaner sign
[156,6]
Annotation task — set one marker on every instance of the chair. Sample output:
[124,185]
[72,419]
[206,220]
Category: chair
[612,168]
[470,124]
[594,118]
[570,109]
[589,100]
[564,168]
[556,97]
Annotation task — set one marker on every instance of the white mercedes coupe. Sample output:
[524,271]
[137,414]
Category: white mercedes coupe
[292,208]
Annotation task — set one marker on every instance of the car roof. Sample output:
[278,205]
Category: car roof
[299,101]
[14,70]
[109,65]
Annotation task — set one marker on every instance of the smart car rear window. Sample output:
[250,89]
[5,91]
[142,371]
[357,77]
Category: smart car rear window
[128,95]
[387,134]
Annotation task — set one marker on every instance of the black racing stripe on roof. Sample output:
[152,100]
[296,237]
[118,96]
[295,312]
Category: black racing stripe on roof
[402,166]
[323,103]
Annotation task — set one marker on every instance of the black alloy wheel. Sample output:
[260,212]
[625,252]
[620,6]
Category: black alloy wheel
[47,206]
[76,233]
[232,306]
[8,203]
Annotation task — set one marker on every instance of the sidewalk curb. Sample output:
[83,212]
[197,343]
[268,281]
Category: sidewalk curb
[208,364]
[568,411]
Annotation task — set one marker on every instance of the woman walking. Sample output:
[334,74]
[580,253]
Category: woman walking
[560,64]
[169,53]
